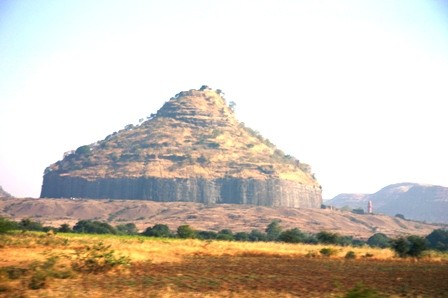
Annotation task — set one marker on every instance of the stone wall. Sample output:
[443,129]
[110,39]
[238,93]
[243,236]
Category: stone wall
[273,192]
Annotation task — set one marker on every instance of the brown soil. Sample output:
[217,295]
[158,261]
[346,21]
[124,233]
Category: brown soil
[262,276]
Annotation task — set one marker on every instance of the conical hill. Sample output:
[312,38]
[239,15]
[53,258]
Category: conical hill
[192,149]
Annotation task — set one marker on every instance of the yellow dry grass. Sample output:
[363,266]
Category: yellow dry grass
[169,250]
[195,268]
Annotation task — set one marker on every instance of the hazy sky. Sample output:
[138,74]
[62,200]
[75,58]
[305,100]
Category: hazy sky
[357,89]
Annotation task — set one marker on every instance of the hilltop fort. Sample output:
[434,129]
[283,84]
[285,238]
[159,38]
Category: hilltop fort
[193,149]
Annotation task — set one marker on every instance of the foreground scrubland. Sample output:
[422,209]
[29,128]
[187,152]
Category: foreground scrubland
[76,265]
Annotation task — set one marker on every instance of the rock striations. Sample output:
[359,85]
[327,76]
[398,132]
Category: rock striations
[192,150]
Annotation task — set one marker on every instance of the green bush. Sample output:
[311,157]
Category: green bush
[257,235]
[358,211]
[27,224]
[38,273]
[241,236]
[328,252]
[225,234]
[7,225]
[38,280]
[350,255]
[83,150]
[273,230]
[65,228]
[360,291]
[379,240]
[327,237]
[438,239]
[400,216]
[293,236]
[411,246]
[185,231]
[207,235]
[97,258]
[158,230]
[127,229]
[93,227]
[13,272]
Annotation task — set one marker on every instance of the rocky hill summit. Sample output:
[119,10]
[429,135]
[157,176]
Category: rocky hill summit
[193,149]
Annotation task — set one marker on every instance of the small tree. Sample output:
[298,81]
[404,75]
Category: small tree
[27,224]
[83,150]
[225,234]
[7,225]
[358,211]
[379,240]
[273,230]
[400,216]
[418,245]
[93,227]
[327,237]
[207,235]
[412,246]
[438,239]
[292,236]
[241,236]
[127,229]
[185,231]
[158,230]
[65,228]
[257,235]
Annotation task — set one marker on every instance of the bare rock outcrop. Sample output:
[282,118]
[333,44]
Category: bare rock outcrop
[4,194]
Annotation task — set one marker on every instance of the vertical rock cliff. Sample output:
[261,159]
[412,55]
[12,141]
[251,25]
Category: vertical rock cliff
[193,149]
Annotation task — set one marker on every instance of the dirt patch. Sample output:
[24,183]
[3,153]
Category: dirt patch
[248,276]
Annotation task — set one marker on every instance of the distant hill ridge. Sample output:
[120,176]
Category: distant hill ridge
[422,202]
[193,149]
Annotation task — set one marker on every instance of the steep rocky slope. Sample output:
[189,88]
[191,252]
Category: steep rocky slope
[4,194]
[192,150]
[215,217]
[414,201]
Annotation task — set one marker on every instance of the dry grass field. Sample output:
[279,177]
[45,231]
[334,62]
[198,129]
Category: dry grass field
[74,265]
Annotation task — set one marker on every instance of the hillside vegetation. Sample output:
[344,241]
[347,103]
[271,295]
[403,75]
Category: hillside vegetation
[193,134]
[209,217]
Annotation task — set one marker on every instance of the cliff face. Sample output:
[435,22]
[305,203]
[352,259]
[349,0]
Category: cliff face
[192,150]
[273,192]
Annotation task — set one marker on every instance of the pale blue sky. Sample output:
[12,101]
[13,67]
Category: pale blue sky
[357,89]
